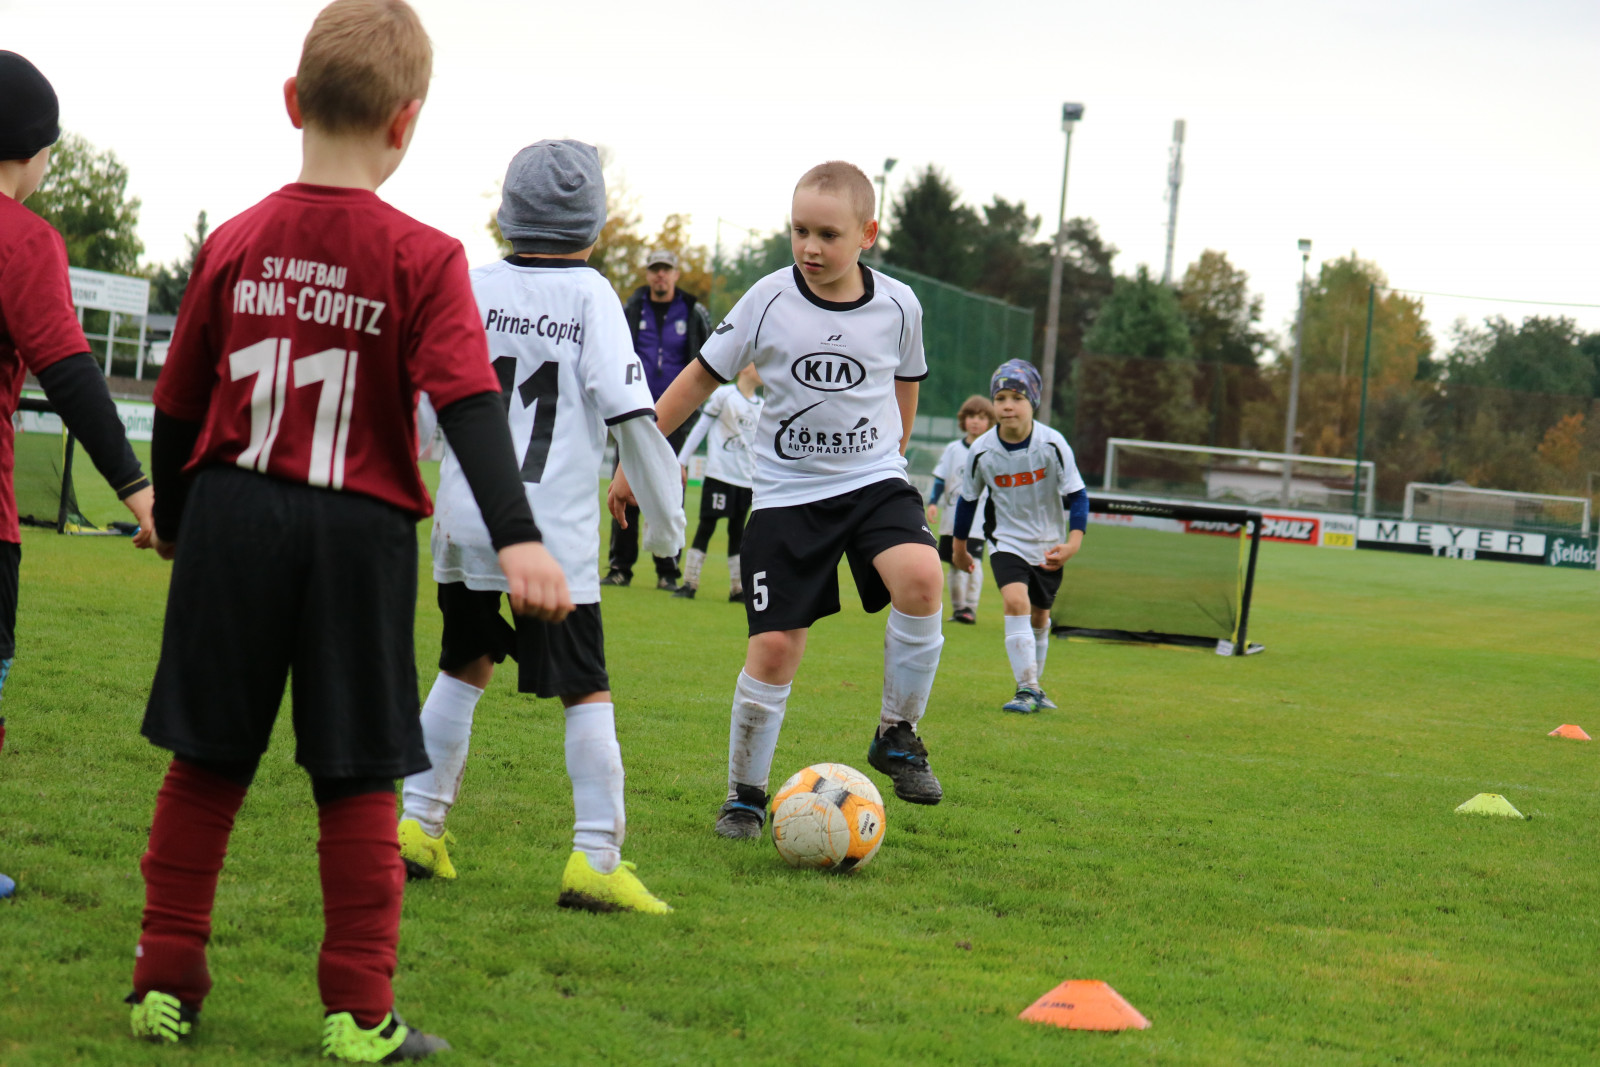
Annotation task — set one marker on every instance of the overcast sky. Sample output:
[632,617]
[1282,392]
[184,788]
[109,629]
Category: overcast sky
[1456,143]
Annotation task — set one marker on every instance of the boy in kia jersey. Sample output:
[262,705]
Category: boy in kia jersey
[1038,509]
[568,374]
[40,333]
[727,424]
[311,323]
[974,418]
[839,348]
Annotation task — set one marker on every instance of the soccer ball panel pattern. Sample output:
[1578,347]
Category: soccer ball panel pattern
[828,817]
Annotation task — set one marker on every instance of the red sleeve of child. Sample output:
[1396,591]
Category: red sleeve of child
[36,300]
[448,352]
[184,388]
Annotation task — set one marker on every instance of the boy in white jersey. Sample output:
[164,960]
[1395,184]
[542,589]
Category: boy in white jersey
[562,350]
[839,347]
[729,419]
[974,418]
[1035,494]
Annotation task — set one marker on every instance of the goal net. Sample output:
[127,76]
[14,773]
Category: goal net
[42,476]
[1496,508]
[1237,476]
[1176,574]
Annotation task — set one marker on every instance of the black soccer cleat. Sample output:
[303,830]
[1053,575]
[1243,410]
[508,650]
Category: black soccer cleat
[668,585]
[900,753]
[684,592]
[736,596]
[616,578]
[745,815]
[966,615]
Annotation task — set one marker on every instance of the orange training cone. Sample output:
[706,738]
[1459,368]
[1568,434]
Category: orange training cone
[1082,1005]
[1569,730]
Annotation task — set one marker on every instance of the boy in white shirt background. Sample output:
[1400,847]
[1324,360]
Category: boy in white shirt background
[974,418]
[729,420]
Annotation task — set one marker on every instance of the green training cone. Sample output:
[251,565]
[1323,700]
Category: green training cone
[1489,804]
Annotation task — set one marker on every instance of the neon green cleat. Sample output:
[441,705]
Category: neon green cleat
[424,856]
[584,887]
[161,1017]
[391,1041]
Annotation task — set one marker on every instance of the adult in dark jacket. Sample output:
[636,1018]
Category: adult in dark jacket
[669,326]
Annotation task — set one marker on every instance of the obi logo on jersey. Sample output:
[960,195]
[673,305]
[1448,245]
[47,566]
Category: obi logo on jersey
[1006,481]
[828,372]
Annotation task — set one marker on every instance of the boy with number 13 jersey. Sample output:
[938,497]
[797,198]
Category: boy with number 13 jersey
[565,359]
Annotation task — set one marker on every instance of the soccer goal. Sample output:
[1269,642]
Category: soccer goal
[1496,508]
[1238,476]
[1169,574]
[42,476]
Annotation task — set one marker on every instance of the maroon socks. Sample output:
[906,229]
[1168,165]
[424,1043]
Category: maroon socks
[362,882]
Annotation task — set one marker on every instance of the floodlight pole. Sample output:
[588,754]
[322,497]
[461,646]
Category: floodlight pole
[1070,114]
[883,203]
[1294,375]
[1361,420]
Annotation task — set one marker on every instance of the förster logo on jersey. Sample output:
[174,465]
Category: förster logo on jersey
[828,372]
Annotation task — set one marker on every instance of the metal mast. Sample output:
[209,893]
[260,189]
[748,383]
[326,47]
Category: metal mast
[1174,180]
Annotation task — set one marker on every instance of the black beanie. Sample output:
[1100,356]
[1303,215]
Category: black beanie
[29,112]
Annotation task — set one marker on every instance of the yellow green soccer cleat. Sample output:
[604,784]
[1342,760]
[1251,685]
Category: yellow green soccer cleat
[391,1041]
[584,887]
[160,1017]
[424,856]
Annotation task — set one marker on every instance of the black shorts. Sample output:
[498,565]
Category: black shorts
[1043,585]
[719,500]
[274,577]
[947,542]
[554,659]
[790,558]
[10,565]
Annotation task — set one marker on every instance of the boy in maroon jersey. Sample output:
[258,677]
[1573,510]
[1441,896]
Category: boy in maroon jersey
[39,332]
[310,324]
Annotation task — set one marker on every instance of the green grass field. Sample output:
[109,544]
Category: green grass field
[1260,854]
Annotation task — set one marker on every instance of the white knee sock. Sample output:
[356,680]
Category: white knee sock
[974,585]
[693,560]
[753,731]
[737,582]
[911,645]
[957,582]
[1041,645]
[446,732]
[1021,650]
[594,763]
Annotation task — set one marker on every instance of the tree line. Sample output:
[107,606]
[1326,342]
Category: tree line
[1500,404]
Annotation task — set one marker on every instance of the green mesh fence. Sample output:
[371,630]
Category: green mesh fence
[966,335]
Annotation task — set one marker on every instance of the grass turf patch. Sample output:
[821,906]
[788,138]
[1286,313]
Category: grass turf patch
[1259,854]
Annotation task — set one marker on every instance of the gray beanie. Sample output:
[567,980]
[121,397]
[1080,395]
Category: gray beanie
[554,198]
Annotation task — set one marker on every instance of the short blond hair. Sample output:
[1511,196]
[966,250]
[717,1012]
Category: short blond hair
[361,61]
[844,180]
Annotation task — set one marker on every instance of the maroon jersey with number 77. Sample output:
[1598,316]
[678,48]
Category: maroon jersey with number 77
[308,327]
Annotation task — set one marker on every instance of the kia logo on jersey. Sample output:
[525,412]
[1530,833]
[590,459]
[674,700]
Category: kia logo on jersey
[828,372]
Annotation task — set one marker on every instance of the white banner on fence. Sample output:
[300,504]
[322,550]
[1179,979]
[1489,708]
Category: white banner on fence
[138,419]
[1445,540]
[109,292]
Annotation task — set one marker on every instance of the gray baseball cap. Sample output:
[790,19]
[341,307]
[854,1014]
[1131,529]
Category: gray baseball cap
[662,257]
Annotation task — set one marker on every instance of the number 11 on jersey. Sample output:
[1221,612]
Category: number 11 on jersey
[333,368]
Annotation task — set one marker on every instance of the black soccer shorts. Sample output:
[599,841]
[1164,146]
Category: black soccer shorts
[947,544]
[719,500]
[790,559]
[10,566]
[554,659]
[274,577]
[1043,585]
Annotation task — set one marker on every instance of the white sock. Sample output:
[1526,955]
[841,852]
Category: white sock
[446,732]
[594,763]
[1021,650]
[753,731]
[957,582]
[737,582]
[911,645]
[974,585]
[1041,646]
[693,560]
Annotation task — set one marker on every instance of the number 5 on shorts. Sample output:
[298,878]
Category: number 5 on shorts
[759,589]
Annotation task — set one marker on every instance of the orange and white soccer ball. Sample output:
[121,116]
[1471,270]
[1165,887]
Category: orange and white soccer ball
[828,816]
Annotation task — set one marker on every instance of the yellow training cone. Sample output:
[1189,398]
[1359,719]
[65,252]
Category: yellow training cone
[1490,804]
